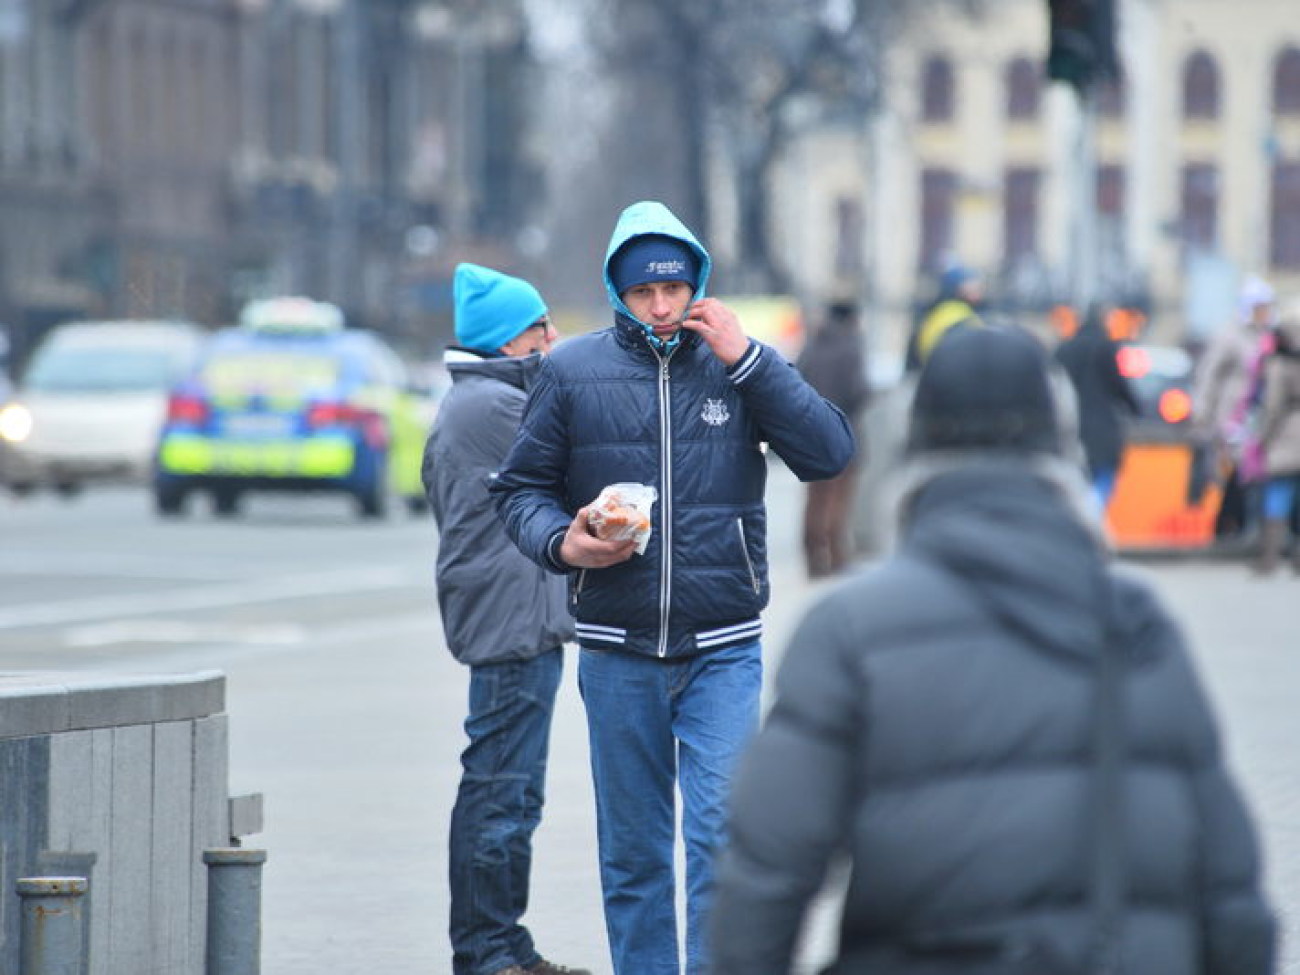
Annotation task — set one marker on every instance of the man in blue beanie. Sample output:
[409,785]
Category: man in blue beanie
[675,396]
[502,616]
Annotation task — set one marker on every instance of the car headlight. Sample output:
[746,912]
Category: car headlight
[15,423]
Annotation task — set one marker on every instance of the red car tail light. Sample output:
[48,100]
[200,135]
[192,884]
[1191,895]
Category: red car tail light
[1134,363]
[187,409]
[1175,406]
[370,423]
[334,415]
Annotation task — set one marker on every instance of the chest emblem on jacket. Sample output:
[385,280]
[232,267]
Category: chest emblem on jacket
[714,412]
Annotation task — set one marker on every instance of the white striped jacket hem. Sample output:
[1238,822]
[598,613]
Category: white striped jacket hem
[593,633]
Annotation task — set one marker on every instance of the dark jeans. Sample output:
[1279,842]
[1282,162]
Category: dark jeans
[498,807]
[827,523]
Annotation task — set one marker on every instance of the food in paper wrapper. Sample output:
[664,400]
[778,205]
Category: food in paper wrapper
[622,511]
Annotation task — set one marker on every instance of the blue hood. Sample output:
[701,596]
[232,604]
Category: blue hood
[651,217]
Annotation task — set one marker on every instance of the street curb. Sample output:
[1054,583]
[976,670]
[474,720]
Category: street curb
[1221,552]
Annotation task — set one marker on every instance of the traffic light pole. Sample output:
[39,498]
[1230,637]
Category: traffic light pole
[1084,259]
[1081,52]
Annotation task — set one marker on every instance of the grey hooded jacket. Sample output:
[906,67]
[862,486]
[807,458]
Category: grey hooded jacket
[933,719]
[497,605]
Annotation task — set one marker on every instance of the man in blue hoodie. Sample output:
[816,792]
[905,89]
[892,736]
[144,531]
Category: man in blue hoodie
[502,616]
[675,396]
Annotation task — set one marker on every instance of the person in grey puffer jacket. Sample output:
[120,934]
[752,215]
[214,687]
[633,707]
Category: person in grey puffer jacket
[502,616]
[933,720]
[674,396]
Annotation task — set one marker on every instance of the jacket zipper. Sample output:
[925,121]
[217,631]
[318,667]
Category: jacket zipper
[666,507]
[744,549]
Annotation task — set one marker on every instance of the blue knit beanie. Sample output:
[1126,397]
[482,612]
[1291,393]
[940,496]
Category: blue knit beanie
[953,277]
[492,308]
[653,257]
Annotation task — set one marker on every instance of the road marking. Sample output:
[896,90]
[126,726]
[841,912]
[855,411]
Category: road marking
[65,565]
[210,597]
[371,631]
[177,631]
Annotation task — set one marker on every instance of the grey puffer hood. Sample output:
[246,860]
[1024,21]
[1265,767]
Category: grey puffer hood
[1019,540]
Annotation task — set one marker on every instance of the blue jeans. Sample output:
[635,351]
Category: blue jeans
[1279,496]
[654,724]
[498,807]
[1103,487]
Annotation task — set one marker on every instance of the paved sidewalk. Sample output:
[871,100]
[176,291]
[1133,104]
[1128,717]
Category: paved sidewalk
[357,754]
[358,757]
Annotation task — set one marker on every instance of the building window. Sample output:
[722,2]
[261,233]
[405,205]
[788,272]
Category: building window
[1200,87]
[1110,190]
[1284,233]
[281,120]
[1024,89]
[848,236]
[1200,206]
[938,210]
[937,89]
[1111,96]
[144,116]
[1020,214]
[1286,83]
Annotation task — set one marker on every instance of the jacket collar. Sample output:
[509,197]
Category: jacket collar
[517,371]
[632,336]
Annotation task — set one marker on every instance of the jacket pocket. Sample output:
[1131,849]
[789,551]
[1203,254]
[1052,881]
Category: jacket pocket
[749,562]
[576,592]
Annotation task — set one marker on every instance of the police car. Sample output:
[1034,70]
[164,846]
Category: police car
[291,400]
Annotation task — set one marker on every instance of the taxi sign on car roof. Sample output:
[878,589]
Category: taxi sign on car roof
[291,314]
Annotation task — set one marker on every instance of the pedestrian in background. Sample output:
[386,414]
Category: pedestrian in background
[936,719]
[676,397]
[1103,397]
[834,363]
[502,616]
[1221,401]
[1279,440]
[958,304]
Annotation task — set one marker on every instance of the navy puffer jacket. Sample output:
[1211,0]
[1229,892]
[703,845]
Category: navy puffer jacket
[609,408]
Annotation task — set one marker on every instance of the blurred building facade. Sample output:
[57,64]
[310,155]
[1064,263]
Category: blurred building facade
[172,158]
[1197,152]
[176,157]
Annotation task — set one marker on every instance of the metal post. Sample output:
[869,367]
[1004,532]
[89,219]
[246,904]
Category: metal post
[351,140]
[53,925]
[1084,260]
[234,938]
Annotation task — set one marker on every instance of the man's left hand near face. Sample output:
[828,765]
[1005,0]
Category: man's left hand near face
[719,327]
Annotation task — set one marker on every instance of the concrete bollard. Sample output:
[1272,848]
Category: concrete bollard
[234,941]
[53,925]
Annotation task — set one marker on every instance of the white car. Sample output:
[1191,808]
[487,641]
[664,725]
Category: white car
[90,403]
